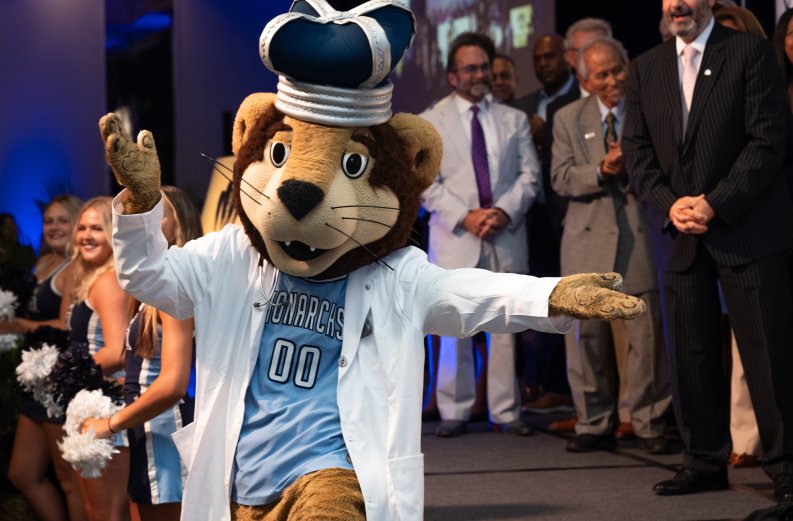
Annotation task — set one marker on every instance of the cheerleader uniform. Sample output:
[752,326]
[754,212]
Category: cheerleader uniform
[45,304]
[85,333]
[156,473]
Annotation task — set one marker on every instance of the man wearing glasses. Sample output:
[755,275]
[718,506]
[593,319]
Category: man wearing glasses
[488,180]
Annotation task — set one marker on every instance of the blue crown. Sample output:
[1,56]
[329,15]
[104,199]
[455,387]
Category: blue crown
[333,66]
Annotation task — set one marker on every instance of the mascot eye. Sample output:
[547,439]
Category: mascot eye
[354,164]
[279,153]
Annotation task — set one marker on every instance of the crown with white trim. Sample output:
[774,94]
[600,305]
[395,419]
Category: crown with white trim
[332,65]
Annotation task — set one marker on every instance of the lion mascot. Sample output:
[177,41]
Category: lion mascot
[310,317]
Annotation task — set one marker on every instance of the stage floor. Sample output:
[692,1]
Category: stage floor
[491,476]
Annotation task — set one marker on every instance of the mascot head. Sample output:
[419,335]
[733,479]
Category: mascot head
[327,180]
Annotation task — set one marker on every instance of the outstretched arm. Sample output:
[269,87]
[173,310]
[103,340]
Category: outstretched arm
[465,301]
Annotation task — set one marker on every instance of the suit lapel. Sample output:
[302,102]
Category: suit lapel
[709,70]
[592,131]
[670,79]
[451,122]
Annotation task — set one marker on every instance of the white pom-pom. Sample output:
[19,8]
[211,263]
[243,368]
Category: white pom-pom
[87,454]
[47,400]
[36,366]
[8,304]
[32,375]
[9,341]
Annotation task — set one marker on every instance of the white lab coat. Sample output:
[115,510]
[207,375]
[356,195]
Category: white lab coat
[218,280]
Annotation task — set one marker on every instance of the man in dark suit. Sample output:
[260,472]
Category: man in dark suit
[704,141]
[554,74]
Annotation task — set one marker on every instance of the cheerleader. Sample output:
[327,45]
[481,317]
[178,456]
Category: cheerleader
[37,435]
[157,376]
[97,322]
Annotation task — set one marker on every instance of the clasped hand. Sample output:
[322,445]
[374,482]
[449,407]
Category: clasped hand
[691,214]
[485,221]
[612,164]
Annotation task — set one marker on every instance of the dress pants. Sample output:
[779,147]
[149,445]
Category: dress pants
[594,379]
[759,301]
[456,388]
[456,383]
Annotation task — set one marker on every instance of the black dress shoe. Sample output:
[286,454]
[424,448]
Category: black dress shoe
[689,481]
[451,429]
[516,427]
[783,487]
[591,443]
[656,445]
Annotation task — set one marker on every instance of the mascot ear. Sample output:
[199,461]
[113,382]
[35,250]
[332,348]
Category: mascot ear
[253,107]
[424,145]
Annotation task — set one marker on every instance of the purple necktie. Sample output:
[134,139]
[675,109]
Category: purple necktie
[479,158]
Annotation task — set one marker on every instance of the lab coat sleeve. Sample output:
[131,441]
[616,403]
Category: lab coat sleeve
[462,302]
[173,280]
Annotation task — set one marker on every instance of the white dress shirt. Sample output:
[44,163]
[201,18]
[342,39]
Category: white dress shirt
[488,127]
[699,44]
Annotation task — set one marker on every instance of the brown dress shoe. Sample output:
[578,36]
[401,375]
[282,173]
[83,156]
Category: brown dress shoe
[550,402]
[567,425]
[624,431]
[741,461]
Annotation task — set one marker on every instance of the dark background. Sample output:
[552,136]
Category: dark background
[148,91]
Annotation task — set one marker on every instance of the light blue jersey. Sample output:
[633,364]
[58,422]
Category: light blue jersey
[291,425]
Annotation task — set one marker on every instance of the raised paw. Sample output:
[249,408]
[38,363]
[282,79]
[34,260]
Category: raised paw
[135,164]
[594,295]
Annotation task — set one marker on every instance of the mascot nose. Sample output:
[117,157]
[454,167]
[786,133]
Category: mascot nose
[300,197]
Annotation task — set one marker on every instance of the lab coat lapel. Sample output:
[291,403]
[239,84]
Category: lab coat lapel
[357,303]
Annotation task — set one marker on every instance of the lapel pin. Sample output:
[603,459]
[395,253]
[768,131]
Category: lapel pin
[589,135]
[707,72]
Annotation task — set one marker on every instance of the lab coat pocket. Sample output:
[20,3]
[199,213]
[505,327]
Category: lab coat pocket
[183,439]
[407,485]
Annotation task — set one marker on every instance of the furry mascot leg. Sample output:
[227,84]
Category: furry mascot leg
[325,495]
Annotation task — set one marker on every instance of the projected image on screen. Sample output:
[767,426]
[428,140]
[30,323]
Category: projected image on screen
[513,24]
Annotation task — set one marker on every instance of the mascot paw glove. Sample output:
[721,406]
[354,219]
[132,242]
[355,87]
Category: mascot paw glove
[594,295]
[135,164]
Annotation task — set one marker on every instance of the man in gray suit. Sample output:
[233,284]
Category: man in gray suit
[488,179]
[605,229]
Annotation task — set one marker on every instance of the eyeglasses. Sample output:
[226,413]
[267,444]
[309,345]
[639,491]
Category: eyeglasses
[471,69]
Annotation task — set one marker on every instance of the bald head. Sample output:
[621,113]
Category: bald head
[550,66]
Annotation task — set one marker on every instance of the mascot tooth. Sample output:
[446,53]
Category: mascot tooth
[310,317]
